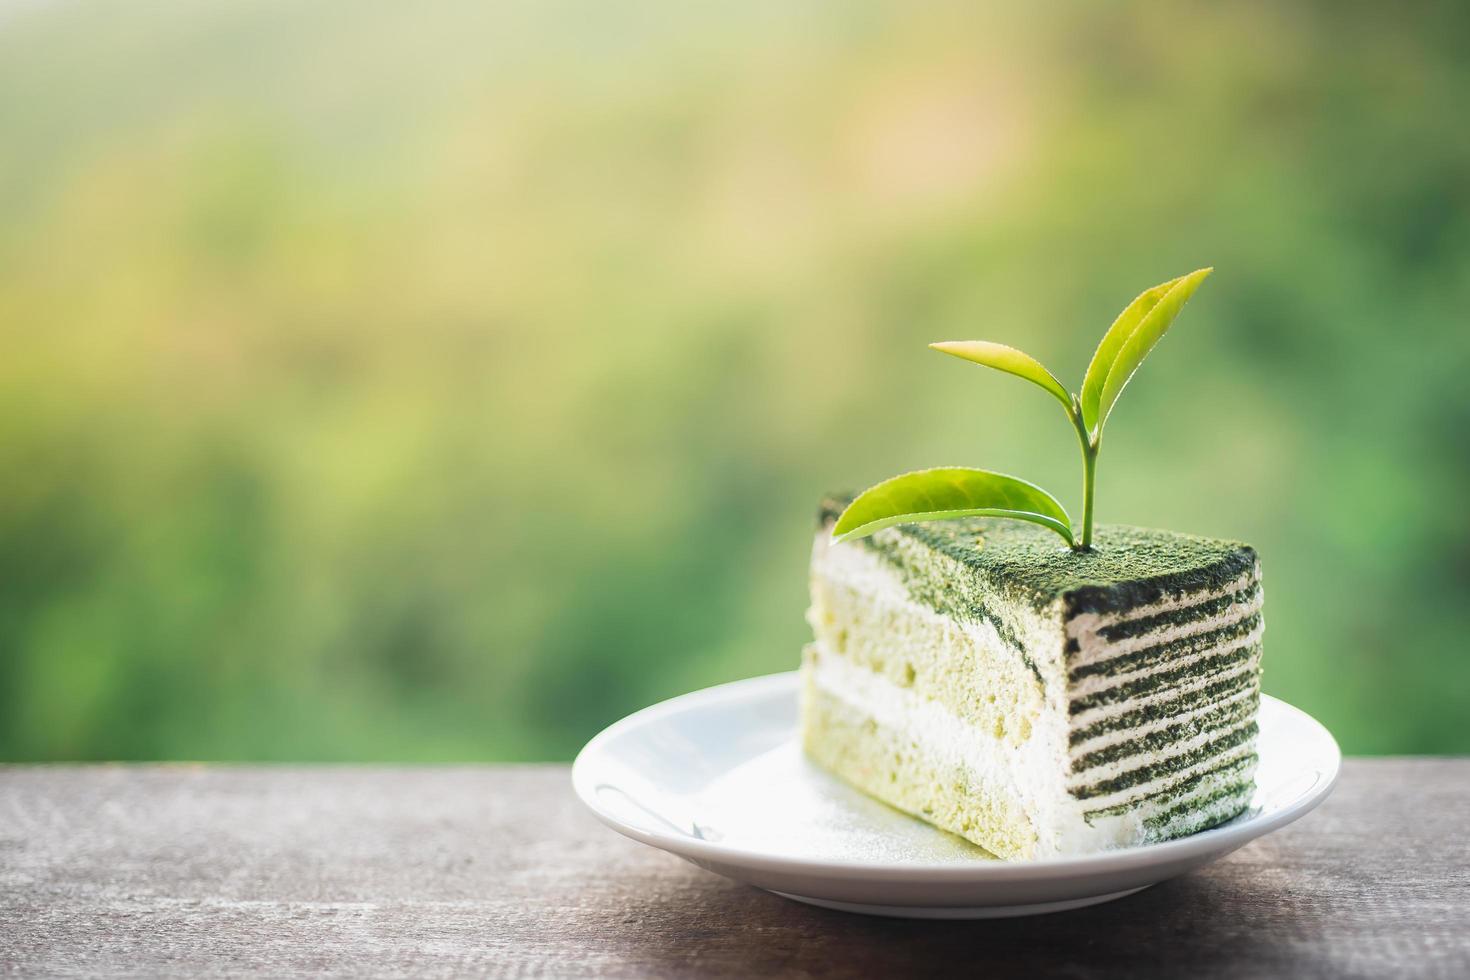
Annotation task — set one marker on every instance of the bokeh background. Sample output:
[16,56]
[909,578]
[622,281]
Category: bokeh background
[389,382]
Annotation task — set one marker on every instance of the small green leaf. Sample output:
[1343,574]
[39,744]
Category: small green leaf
[1128,341]
[939,494]
[1112,342]
[1009,360]
[1152,327]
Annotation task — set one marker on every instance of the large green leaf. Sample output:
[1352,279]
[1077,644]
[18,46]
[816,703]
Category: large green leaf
[939,494]
[1009,360]
[1128,341]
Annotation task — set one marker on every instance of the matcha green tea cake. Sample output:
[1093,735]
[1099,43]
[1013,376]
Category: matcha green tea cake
[1039,689]
[975,674]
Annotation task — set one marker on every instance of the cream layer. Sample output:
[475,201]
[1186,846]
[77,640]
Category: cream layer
[1032,772]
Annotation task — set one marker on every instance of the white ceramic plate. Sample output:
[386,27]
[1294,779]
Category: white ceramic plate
[718,778]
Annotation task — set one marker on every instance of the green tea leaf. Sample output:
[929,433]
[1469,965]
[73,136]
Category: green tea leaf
[1128,341]
[1009,360]
[939,494]
[1152,327]
[1112,342]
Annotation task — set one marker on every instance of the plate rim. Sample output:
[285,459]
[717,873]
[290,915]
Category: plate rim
[1217,840]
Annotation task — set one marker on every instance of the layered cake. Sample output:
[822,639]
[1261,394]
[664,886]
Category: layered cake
[1037,700]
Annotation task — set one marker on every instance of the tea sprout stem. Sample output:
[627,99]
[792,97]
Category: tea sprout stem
[1089,445]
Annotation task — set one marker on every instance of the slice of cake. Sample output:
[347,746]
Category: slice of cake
[1036,700]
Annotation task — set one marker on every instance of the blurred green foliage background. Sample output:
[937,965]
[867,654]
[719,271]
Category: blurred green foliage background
[388,382]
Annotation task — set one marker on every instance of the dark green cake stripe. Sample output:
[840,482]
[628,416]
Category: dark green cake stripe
[1189,701]
[1221,811]
[1212,821]
[1177,791]
[1178,617]
[1183,646]
[1206,667]
[1160,820]
[1220,717]
[1168,767]
[1237,766]
[1121,597]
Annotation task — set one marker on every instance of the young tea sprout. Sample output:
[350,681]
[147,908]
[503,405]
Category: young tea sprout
[949,492]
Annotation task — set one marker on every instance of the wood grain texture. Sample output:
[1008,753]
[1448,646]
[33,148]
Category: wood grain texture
[219,870]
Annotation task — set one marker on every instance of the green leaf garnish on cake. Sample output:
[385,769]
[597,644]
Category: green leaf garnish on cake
[941,494]
[905,499]
[1037,700]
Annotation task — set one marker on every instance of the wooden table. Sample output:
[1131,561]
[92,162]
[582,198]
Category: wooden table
[208,870]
